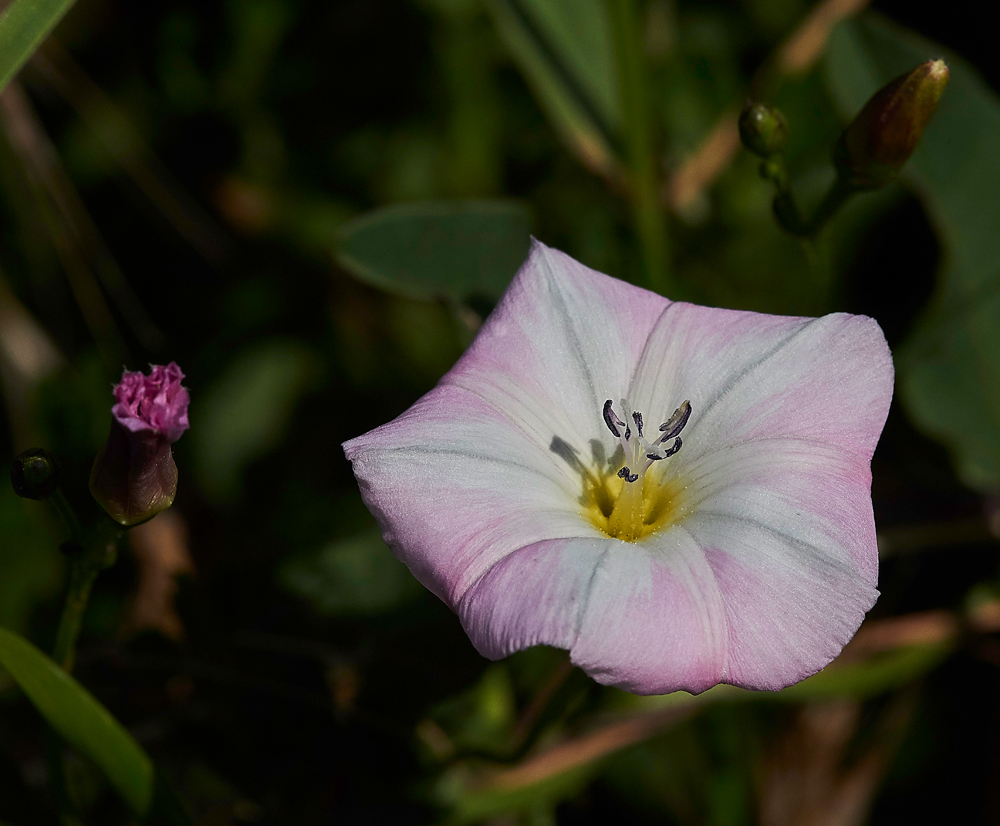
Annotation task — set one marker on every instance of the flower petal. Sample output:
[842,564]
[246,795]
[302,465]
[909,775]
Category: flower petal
[787,527]
[647,622]
[750,376]
[456,486]
[562,340]
[654,621]
[815,493]
[534,596]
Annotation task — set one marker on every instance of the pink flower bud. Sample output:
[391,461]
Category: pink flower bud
[134,476]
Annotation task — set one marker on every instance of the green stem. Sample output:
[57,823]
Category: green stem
[68,815]
[81,580]
[838,193]
[786,210]
[649,218]
[93,550]
[67,514]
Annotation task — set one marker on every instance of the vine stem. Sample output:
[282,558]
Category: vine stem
[92,550]
[650,220]
[81,581]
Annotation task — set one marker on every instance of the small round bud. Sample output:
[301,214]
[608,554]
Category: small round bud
[886,132]
[34,474]
[763,129]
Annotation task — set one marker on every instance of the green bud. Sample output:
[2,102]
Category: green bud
[887,130]
[763,130]
[34,474]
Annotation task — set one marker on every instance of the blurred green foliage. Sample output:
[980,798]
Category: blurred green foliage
[310,207]
[81,720]
[957,169]
[23,26]
[350,576]
[458,250]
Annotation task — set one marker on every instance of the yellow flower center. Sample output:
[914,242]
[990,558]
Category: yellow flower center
[632,511]
[633,502]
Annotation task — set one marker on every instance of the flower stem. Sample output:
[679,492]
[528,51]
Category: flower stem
[838,193]
[91,551]
[67,514]
[81,580]
[649,218]
[786,210]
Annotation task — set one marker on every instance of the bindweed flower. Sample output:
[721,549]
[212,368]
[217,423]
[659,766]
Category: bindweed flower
[134,476]
[678,495]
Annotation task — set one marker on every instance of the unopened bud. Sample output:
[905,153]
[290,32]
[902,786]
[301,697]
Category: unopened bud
[763,130]
[134,476]
[887,130]
[34,474]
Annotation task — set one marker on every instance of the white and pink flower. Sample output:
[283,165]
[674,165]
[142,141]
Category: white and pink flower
[535,491]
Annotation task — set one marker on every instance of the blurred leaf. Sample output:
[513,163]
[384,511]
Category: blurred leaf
[560,771]
[82,721]
[23,26]
[350,576]
[565,51]
[29,561]
[482,718]
[438,249]
[949,369]
[245,413]
[472,805]
[870,678]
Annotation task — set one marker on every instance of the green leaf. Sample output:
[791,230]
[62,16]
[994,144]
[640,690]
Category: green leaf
[82,721]
[438,249]
[863,680]
[245,413]
[565,52]
[350,576]
[30,565]
[23,27]
[949,369]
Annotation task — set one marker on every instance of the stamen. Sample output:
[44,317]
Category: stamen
[672,450]
[611,420]
[635,510]
[637,418]
[628,415]
[627,475]
[675,424]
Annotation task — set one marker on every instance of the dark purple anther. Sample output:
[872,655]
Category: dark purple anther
[672,450]
[611,420]
[637,418]
[627,474]
[675,424]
